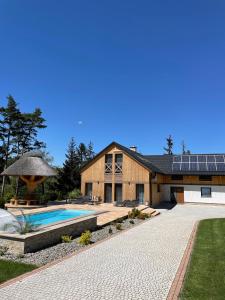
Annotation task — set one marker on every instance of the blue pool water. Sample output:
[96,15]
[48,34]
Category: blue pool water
[49,217]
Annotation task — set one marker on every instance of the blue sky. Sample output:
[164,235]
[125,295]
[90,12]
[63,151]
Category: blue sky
[131,71]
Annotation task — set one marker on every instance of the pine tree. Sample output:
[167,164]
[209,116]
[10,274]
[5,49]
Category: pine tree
[184,151]
[68,177]
[8,124]
[169,148]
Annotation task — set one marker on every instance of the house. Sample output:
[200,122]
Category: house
[119,173]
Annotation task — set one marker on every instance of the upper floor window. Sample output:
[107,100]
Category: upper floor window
[205,178]
[108,163]
[177,177]
[118,163]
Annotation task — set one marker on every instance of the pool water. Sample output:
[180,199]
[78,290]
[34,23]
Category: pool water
[49,217]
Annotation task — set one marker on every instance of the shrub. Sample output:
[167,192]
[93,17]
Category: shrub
[2,203]
[74,194]
[3,250]
[131,221]
[118,226]
[66,238]
[110,230]
[134,213]
[120,220]
[143,216]
[85,238]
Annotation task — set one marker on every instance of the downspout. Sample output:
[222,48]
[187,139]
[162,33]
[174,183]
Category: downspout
[150,187]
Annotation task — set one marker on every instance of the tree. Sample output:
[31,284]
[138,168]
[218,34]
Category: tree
[8,124]
[169,147]
[69,174]
[184,148]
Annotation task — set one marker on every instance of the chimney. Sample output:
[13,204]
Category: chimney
[133,148]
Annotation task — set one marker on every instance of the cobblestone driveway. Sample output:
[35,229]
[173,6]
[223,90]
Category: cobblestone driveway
[138,264]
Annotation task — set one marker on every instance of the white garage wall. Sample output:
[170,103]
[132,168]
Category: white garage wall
[192,193]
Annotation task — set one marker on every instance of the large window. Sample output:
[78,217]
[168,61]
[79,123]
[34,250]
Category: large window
[108,163]
[206,192]
[118,163]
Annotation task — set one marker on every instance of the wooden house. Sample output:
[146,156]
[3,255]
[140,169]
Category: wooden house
[119,174]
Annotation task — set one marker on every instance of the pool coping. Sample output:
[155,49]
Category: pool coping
[57,261]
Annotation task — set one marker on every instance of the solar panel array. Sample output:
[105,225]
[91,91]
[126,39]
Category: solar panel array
[207,163]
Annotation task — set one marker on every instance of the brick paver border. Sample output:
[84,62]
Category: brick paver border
[57,261]
[179,278]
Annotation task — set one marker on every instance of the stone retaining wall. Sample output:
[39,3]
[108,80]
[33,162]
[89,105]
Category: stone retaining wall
[45,237]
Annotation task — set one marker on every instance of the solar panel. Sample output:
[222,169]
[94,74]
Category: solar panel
[177,159]
[185,158]
[185,167]
[219,158]
[201,158]
[210,158]
[211,167]
[221,167]
[202,166]
[193,158]
[193,167]
[176,166]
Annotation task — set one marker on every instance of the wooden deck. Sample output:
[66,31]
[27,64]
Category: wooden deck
[106,213]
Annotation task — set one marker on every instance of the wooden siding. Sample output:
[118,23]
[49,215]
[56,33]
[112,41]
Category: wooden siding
[216,180]
[133,173]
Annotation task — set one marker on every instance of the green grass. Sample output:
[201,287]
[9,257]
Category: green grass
[10,269]
[205,277]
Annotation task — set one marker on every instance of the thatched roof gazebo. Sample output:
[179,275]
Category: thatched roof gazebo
[32,169]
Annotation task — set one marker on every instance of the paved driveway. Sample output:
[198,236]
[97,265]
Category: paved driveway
[138,264]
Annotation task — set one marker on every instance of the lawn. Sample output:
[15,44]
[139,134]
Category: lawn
[205,277]
[10,269]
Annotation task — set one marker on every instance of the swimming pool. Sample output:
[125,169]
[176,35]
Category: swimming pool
[50,217]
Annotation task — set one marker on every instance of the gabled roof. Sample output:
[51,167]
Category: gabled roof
[141,159]
[158,163]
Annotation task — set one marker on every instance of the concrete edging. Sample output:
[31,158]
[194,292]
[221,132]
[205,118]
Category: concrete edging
[179,277]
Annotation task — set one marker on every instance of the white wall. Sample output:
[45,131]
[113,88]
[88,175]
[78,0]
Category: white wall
[192,193]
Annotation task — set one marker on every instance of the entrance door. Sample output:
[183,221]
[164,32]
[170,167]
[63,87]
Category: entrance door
[118,193]
[108,192]
[176,194]
[140,193]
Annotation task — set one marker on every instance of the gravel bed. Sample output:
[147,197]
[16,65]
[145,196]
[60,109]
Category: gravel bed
[60,250]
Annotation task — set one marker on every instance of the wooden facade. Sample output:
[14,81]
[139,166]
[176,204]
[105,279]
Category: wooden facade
[115,175]
[132,174]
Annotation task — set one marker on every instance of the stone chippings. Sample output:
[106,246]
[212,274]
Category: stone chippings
[58,251]
[139,264]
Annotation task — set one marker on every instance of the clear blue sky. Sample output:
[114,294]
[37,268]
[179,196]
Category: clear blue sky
[131,71]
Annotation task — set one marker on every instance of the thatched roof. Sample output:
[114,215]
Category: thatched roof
[31,163]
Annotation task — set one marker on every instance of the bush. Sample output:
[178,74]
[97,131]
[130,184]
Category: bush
[134,213]
[2,203]
[3,250]
[74,194]
[131,221]
[66,238]
[85,238]
[118,226]
[143,216]
[110,230]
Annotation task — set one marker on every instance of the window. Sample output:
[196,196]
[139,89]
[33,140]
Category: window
[206,192]
[118,163]
[177,177]
[108,163]
[205,178]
